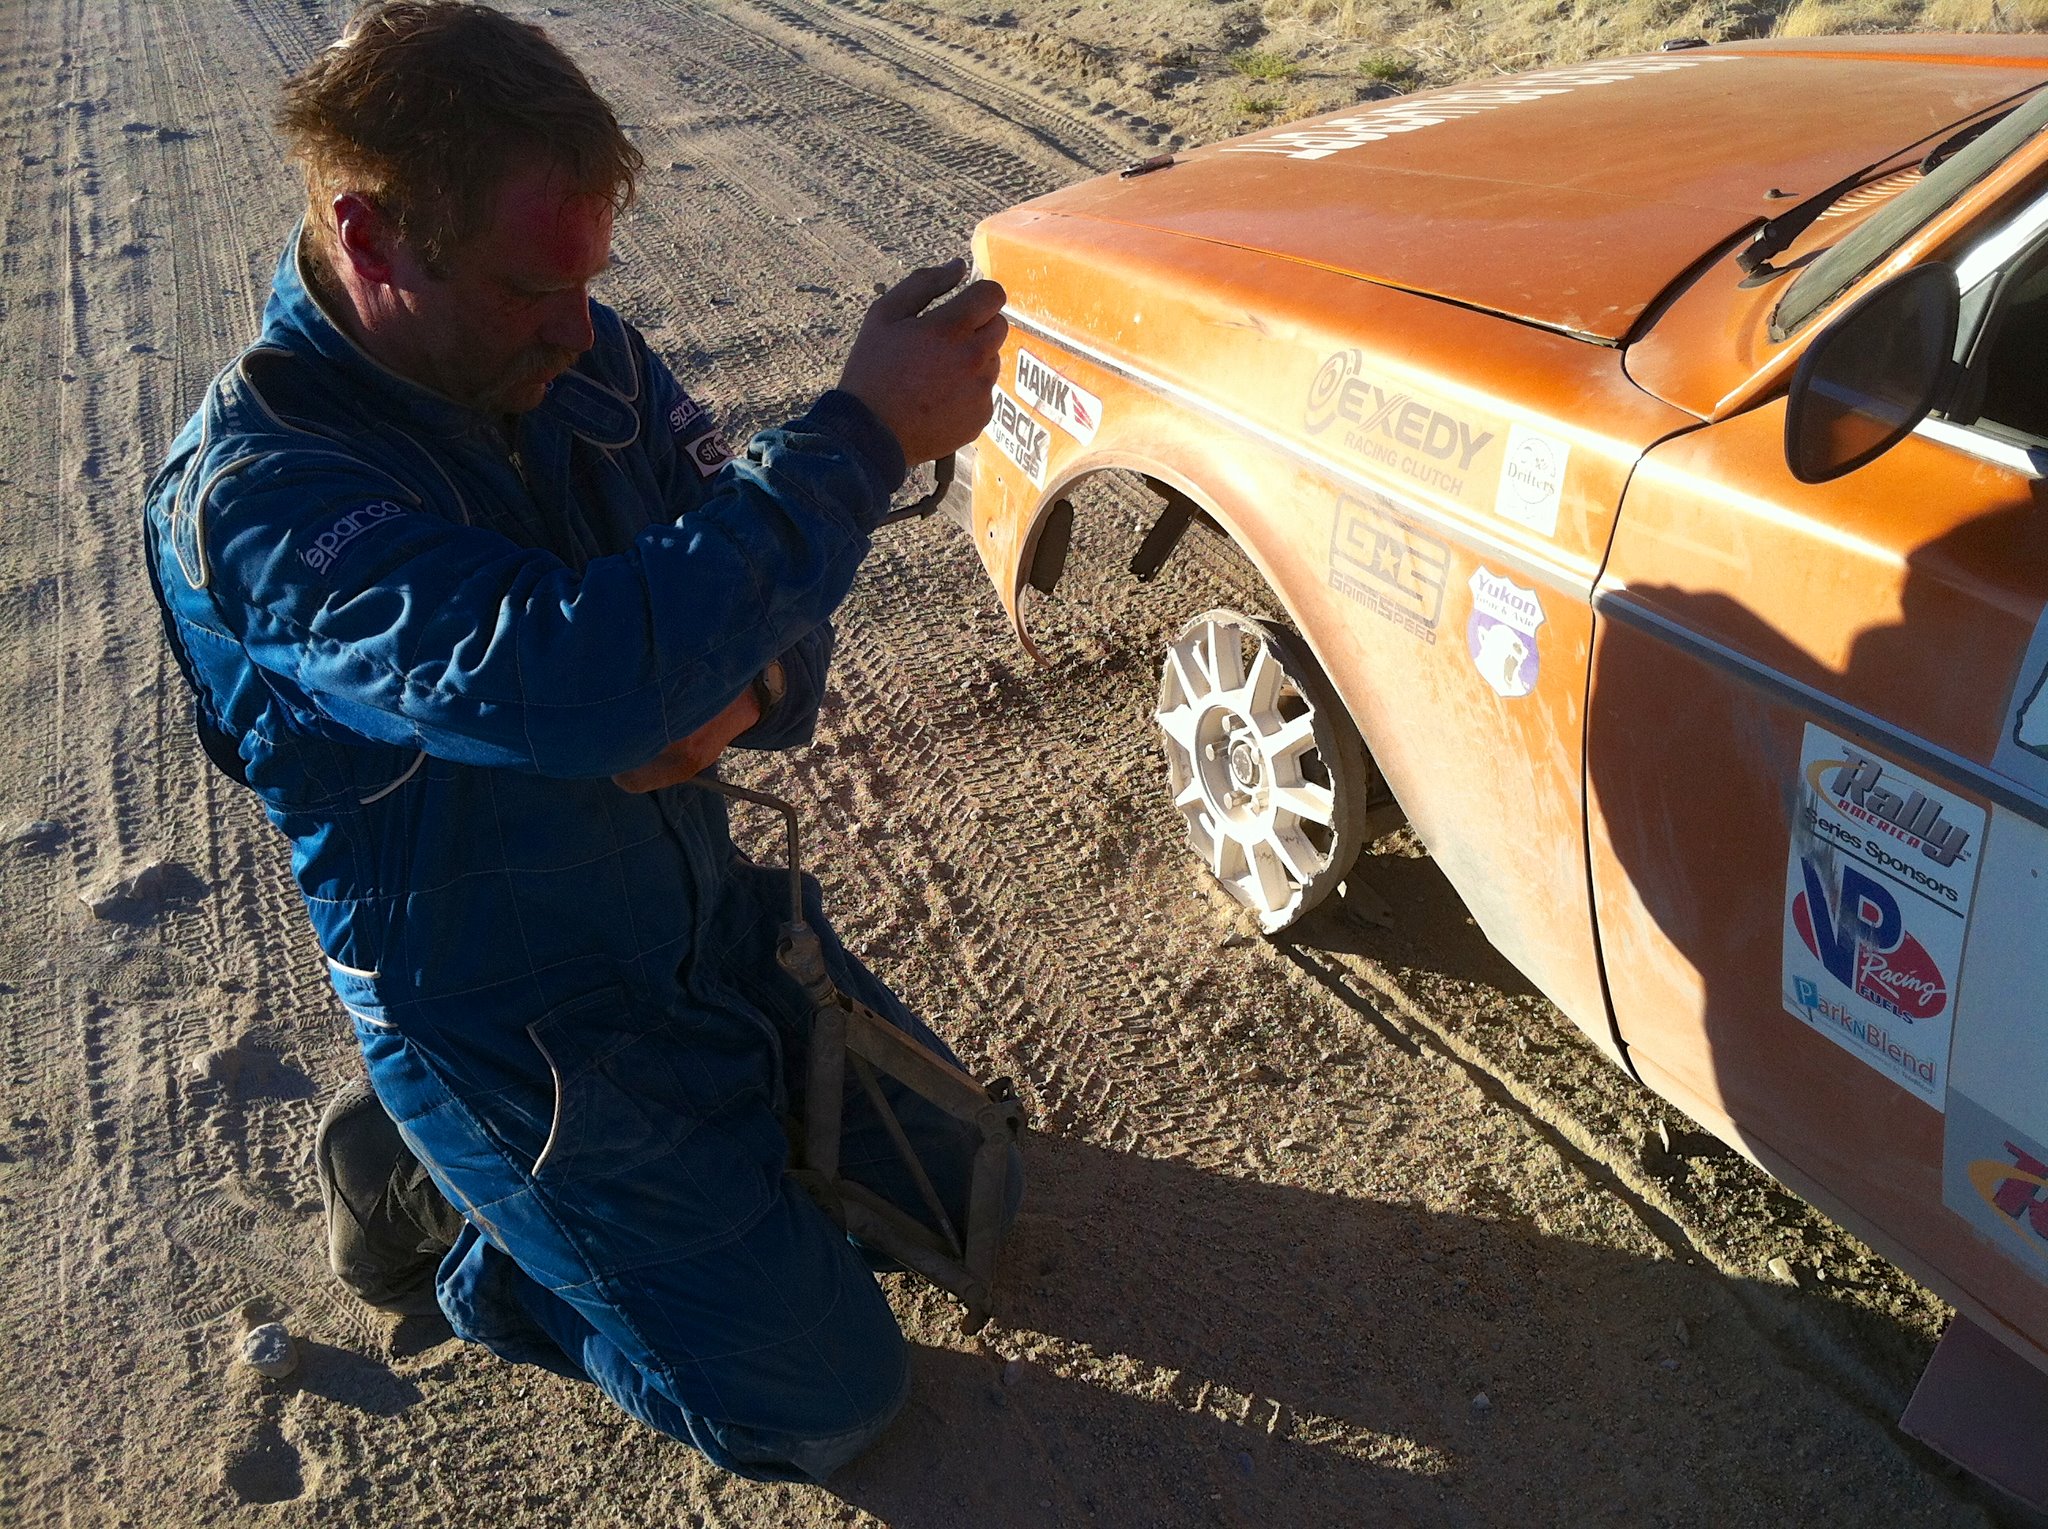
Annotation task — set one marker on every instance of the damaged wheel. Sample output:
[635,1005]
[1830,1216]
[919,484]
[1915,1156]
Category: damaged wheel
[1267,769]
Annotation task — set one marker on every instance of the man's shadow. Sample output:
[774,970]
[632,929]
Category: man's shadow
[1239,1352]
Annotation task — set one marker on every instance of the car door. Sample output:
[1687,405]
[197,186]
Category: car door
[1811,828]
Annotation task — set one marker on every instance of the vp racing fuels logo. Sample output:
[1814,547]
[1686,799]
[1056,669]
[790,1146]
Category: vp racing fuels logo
[1861,940]
[1391,426]
[330,544]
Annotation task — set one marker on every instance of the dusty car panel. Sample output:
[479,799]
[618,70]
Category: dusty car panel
[1571,198]
[1749,774]
[1317,455]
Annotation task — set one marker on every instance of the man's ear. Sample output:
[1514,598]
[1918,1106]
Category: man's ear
[365,237]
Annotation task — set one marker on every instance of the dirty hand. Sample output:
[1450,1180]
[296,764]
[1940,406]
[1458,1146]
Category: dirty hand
[698,752]
[927,373]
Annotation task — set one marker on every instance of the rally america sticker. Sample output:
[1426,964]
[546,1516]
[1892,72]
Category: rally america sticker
[1020,437]
[1501,633]
[1878,882]
[1532,479]
[1068,405]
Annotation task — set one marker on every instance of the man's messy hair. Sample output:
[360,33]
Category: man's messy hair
[423,106]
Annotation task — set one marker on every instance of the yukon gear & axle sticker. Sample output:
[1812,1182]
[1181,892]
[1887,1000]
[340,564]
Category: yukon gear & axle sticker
[1878,884]
[1388,565]
[1020,437]
[1073,408]
[1501,633]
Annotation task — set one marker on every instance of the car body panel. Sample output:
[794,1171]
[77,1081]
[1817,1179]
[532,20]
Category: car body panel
[1890,610]
[1486,195]
[1364,484]
[1415,453]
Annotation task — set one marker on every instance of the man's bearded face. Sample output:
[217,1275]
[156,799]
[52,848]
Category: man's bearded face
[512,312]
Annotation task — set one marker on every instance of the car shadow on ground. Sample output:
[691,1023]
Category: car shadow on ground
[1257,1354]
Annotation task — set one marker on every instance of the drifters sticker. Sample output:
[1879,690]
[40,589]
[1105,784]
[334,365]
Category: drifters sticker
[1501,633]
[1020,437]
[1878,885]
[1072,407]
[1532,479]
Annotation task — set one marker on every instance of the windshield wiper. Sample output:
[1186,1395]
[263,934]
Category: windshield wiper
[1776,236]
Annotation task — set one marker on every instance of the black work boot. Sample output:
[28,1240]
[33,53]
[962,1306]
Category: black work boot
[387,1222]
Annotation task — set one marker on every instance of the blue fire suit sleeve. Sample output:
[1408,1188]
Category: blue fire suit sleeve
[406,628]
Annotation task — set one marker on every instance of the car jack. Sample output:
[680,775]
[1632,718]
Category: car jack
[847,1033]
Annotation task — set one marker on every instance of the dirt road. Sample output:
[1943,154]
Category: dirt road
[1346,1231]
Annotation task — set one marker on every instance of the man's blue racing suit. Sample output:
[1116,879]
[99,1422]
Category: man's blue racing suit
[428,645]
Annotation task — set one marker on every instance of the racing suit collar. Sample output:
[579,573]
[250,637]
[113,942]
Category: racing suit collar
[296,318]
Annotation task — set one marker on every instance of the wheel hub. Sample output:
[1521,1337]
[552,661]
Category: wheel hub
[1239,732]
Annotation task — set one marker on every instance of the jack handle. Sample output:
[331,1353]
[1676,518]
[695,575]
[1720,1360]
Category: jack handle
[942,483]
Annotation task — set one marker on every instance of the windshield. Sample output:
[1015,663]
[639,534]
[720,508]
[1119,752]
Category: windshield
[1889,227]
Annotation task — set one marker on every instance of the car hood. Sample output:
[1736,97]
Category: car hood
[1570,198]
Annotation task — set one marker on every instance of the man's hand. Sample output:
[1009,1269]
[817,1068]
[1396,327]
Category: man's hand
[690,756]
[928,375]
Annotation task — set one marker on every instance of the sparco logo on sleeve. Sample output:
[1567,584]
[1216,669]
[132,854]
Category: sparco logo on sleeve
[330,544]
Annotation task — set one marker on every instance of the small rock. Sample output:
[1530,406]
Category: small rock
[1481,1402]
[1667,1364]
[1244,1462]
[1663,1136]
[270,1351]
[1682,1333]
[1429,1256]
[37,838]
[1781,1269]
[1237,939]
[128,894]
[1013,1372]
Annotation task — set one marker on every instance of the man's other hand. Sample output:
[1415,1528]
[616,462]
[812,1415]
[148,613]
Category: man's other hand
[927,373]
[690,756]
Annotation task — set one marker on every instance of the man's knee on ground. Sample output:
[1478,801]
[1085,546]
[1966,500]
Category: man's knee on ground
[868,1404]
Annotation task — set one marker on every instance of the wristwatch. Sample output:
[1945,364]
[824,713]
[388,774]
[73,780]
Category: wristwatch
[770,686]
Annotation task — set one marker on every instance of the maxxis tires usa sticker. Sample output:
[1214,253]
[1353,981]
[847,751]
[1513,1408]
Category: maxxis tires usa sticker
[1878,885]
[1020,437]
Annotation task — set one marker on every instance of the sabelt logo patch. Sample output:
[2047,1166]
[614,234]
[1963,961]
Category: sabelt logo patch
[1392,426]
[329,545]
[1020,437]
[1878,884]
[1388,565]
[1061,400]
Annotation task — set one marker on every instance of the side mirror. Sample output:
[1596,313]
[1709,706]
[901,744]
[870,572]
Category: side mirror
[1872,375]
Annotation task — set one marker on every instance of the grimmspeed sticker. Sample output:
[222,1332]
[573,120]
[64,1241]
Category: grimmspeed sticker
[1387,564]
[1020,437]
[1532,479]
[1334,135]
[1069,405]
[1995,1139]
[1389,425]
[1500,634]
[331,543]
[1878,884]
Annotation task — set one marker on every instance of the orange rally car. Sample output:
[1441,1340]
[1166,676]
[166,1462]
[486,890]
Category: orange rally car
[1649,455]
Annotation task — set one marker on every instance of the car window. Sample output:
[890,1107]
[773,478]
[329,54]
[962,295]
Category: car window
[2008,387]
[1885,230]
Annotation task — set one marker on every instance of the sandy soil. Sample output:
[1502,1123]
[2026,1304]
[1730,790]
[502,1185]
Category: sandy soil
[1347,1230]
